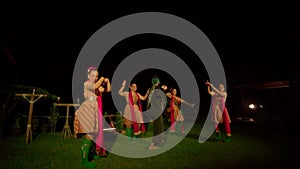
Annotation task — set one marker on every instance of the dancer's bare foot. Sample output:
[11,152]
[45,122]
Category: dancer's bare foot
[137,133]
[153,147]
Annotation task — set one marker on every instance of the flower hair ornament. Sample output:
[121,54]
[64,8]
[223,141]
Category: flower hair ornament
[91,68]
[164,87]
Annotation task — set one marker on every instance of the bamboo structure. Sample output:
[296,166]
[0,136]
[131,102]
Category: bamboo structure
[32,100]
[66,132]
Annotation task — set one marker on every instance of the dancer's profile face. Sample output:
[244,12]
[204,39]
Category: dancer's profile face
[134,87]
[93,76]
[174,92]
[221,88]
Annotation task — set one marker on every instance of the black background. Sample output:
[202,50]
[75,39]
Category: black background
[256,41]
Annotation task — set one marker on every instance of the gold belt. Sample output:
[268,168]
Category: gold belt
[90,99]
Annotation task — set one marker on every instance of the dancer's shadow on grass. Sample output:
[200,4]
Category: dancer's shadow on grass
[206,139]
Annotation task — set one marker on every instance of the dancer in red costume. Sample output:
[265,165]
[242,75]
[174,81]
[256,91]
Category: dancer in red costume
[219,110]
[133,110]
[176,115]
[88,117]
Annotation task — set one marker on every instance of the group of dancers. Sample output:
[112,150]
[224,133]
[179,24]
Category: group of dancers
[160,100]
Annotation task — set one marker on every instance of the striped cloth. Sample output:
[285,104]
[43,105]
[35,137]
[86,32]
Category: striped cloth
[86,119]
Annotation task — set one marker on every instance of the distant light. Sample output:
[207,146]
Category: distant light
[251,106]
[261,106]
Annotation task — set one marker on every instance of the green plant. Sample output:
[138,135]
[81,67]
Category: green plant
[53,117]
[119,121]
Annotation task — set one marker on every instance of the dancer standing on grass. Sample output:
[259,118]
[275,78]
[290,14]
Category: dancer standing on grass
[176,115]
[88,117]
[133,110]
[219,110]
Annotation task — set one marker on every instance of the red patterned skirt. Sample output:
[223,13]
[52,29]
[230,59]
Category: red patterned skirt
[86,119]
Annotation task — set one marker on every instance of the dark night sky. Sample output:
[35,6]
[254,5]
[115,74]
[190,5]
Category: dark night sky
[255,41]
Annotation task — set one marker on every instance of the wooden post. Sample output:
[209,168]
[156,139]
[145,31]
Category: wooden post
[28,134]
[66,133]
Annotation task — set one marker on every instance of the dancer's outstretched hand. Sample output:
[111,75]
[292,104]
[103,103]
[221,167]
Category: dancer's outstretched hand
[207,83]
[124,83]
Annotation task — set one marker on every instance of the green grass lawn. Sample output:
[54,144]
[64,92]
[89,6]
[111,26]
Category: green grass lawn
[248,149]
